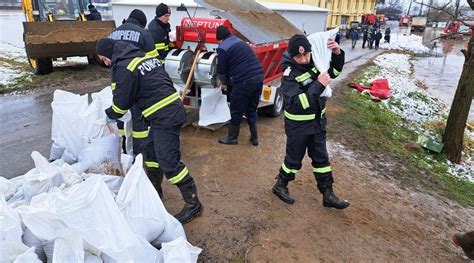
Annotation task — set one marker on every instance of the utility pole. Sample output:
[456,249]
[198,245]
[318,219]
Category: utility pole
[456,13]
[409,7]
[421,8]
[429,9]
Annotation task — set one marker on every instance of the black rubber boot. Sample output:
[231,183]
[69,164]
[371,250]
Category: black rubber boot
[156,177]
[280,189]
[466,242]
[329,198]
[253,134]
[192,207]
[233,135]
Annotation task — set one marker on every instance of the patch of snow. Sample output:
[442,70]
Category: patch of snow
[414,103]
[10,51]
[411,43]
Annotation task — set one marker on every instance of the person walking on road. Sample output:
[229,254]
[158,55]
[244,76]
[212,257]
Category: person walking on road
[305,118]
[371,37]
[237,66]
[365,37]
[378,37]
[387,35]
[160,29]
[142,81]
[354,37]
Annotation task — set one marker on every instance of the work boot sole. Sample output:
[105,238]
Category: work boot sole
[197,214]
[336,206]
[254,143]
[282,198]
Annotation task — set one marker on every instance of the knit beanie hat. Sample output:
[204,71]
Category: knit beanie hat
[139,16]
[222,33]
[298,44]
[162,9]
[105,47]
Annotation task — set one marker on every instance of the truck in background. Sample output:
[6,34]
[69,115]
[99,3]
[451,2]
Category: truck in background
[405,20]
[418,23]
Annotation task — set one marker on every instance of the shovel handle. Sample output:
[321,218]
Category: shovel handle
[190,76]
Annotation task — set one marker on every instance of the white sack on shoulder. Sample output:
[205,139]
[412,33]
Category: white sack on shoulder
[321,54]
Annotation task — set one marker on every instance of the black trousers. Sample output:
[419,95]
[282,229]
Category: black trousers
[162,152]
[244,98]
[139,132]
[296,148]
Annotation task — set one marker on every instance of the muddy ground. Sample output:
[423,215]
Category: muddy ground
[243,220]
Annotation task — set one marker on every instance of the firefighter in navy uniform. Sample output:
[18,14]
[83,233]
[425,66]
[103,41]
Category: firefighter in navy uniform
[142,81]
[133,31]
[237,66]
[160,29]
[305,118]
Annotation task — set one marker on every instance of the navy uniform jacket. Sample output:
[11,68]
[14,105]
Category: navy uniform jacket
[304,108]
[236,61]
[142,81]
[160,33]
[132,32]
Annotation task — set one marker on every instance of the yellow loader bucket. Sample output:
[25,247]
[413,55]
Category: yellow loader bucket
[64,38]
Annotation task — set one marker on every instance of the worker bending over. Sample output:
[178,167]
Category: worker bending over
[142,81]
[237,66]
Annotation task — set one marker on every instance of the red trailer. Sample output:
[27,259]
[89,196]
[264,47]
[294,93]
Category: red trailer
[266,32]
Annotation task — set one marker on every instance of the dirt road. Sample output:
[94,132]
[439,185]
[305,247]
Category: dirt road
[243,220]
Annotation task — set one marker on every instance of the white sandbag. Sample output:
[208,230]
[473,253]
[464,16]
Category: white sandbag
[68,247]
[7,188]
[91,258]
[56,151]
[28,257]
[89,209]
[48,247]
[180,251]
[127,162]
[31,240]
[102,154]
[143,209]
[10,233]
[42,178]
[321,54]
[113,182]
[67,123]
[214,107]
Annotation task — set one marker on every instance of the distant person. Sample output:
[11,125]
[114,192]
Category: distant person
[371,37]
[365,37]
[387,35]
[378,37]
[160,28]
[354,37]
[94,14]
[466,242]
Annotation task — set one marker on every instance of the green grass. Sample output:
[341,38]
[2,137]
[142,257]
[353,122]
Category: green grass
[373,129]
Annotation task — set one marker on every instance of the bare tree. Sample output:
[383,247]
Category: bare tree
[453,137]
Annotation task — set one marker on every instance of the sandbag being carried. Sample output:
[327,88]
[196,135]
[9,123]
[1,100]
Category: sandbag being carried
[143,209]
[321,54]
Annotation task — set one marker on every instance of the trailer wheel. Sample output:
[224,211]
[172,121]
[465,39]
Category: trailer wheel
[277,108]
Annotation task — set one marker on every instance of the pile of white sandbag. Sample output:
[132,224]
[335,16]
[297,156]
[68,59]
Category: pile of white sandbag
[73,210]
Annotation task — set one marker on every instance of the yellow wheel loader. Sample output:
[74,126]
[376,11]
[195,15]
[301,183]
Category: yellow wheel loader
[59,29]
